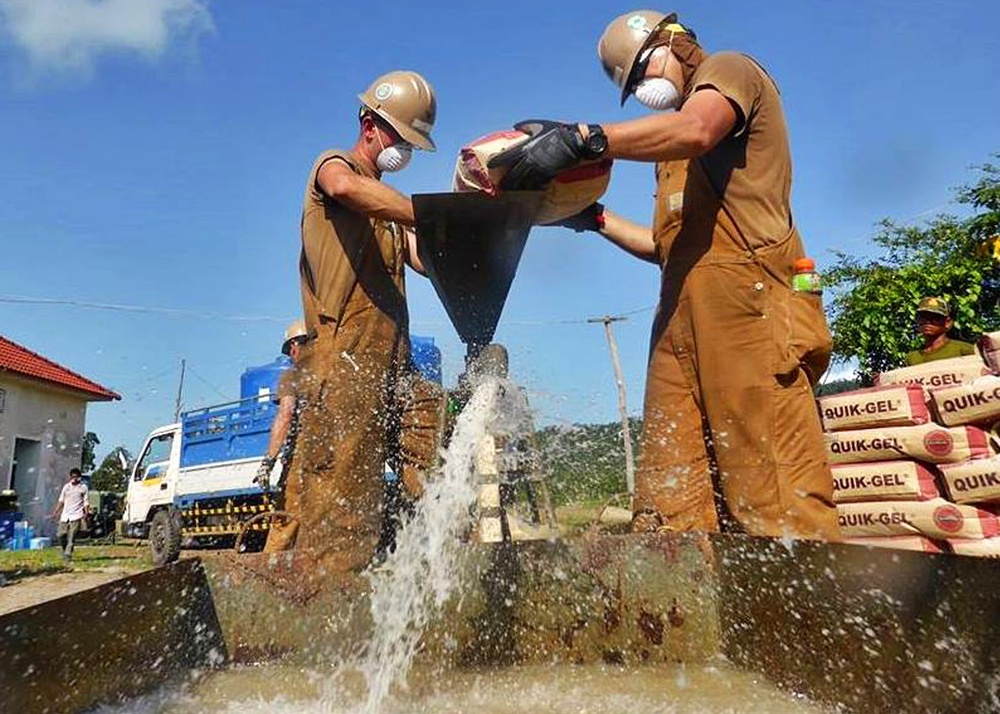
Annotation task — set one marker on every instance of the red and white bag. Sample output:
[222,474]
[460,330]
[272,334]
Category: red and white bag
[981,547]
[569,192]
[989,348]
[935,519]
[939,373]
[893,405]
[975,402]
[976,481]
[904,542]
[883,481]
[925,442]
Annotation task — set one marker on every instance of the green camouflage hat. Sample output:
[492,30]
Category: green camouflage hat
[935,306]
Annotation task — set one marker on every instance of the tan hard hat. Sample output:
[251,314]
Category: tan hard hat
[293,331]
[625,39]
[405,100]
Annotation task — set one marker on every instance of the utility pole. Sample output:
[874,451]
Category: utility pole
[622,407]
[180,388]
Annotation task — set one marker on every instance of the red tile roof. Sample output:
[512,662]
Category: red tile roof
[23,362]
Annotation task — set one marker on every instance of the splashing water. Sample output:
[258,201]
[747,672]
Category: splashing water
[426,569]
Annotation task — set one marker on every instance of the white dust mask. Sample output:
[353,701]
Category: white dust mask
[393,158]
[658,94]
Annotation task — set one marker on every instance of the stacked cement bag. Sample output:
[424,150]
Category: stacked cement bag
[887,453]
[973,483]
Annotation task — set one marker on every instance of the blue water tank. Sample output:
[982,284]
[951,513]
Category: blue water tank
[426,357]
[255,380]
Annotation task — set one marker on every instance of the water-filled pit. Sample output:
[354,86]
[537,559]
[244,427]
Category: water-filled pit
[539,689]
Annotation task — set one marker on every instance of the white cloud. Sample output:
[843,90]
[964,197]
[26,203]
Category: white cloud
[70,35]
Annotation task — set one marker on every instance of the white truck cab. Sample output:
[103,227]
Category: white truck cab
[153,478]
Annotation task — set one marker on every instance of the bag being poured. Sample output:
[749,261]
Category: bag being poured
[569,192]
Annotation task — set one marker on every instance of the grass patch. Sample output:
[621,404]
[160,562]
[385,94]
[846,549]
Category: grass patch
[16,564]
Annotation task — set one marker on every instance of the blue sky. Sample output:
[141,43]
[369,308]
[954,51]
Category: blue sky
[154,154]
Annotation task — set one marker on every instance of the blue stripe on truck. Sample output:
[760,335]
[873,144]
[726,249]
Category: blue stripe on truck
[189,499]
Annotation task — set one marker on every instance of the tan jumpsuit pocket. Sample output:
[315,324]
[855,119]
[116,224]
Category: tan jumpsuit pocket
[804,339]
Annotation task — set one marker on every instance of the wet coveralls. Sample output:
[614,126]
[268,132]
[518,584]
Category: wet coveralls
[363,402]
[283,531]
[732,436]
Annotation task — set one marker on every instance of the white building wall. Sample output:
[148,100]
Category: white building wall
[55,418]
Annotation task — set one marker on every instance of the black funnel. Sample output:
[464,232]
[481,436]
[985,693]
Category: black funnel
[470,245]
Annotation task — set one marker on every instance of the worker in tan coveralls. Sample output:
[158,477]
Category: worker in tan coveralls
[364,403]
[281,444]
[732,438]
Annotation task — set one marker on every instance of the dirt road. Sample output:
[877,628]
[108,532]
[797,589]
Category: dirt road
[35,589]
[33,577]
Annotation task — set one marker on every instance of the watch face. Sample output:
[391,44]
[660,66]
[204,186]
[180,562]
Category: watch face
[597,142]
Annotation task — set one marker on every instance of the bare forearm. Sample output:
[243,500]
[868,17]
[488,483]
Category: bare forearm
[657,137]
[365,195]
[631,237]
[412,254]
[706,118]
[279,429]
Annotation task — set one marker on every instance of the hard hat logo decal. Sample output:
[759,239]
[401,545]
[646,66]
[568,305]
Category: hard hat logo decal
[638,22]
[383,91]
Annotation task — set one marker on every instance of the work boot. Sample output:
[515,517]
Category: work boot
[646,521]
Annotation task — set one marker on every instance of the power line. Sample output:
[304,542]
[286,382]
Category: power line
[187,312]
[173,311]
[208,384]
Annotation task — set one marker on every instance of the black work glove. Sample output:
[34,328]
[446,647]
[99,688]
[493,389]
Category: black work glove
[590,218]
[263,477]
[553,147]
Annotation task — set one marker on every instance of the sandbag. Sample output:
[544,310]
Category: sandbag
[883,481]
[569,192]
[976,402]
[892,405]
[939,373]
[979,547]
[935,519]
[976,481]
[905,542]
[924,442]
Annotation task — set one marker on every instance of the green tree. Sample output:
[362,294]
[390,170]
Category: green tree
[110,476]
[836,386]
[90,440]
[958,259]
[585,462]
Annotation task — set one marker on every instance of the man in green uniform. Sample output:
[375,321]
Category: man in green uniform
[731,436]
[364,403]
[933,323]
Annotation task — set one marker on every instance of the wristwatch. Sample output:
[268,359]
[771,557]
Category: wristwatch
[596,142]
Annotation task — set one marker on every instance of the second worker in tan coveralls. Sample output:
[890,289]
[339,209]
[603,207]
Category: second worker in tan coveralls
[364,403]
[732,437]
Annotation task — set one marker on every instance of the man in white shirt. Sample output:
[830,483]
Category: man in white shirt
[71,510]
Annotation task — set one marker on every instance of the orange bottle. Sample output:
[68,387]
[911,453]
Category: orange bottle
[806,279]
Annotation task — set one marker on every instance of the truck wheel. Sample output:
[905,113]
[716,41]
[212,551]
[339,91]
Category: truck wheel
[164,538]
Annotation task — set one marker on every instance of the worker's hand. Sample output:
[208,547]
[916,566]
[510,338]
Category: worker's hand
[263,476]
[590,218]
[553,147]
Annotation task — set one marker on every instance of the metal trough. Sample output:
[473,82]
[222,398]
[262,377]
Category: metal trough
[865,629]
